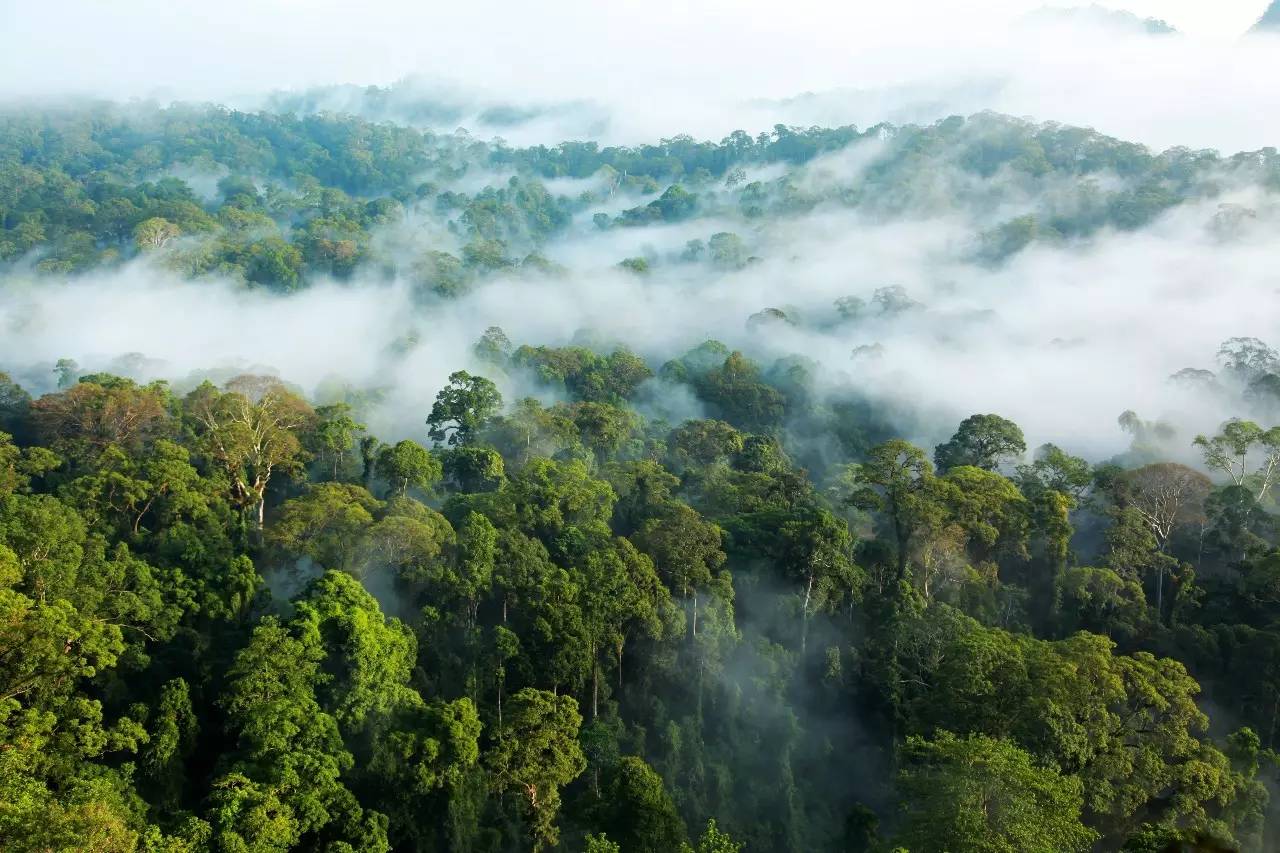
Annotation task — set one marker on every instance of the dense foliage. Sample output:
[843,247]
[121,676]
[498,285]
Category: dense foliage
[233,619]
[278,200]
[237,622]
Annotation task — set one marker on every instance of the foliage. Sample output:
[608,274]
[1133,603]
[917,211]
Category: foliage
[980,794]
[232,621]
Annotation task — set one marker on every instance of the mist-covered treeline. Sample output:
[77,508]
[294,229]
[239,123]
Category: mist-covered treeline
[907,488]
[276,200]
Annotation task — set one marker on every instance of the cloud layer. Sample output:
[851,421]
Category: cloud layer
[659,69]
[1062,339]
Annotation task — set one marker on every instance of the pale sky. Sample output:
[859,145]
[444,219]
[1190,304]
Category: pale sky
[137,46]
[1213,18]
[662,67]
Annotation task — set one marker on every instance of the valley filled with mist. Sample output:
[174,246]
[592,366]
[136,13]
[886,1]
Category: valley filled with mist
[870,448]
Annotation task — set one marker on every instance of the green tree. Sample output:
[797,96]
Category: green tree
[1236,448]
[816,549]
[619,593]
[101,411]
[983,441]
[686,551]
[407,464]
[250,431]
[15,404]
[635,809]
[471,576]
[335,433]
[68,371]
[1165,496]
[328,524]
[470,468]
[462,408]
[424,760]
[155,233]
[898,481]
[172,740]
[990,509]
[1053,469]
[494,347]
[368,658]
[535,754]
[977,793]
[1100,600]
[600,843]
[704,442]
[285,788]
[714,841]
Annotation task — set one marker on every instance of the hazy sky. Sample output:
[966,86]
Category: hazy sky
[664,67]
[139,46]
[1201,17]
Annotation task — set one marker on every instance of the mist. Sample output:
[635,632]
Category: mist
[1060,338]
[636,71]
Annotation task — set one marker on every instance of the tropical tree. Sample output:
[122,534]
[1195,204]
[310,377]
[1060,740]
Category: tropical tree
[977,793]
[462,408]
[335,434]
[407,464]
[983,441]
[535,754]
[250,431]
[1233,449]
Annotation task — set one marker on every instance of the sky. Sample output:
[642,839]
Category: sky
[1223,19]
[662,67]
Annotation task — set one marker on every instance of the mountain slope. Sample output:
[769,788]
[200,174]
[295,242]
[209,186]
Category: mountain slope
[1270,20]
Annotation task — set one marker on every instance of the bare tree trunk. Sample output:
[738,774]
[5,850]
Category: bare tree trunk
[137,522]
[595,690]
[900,537]
[1200,547]
[702,666]
[1160,594]
[804,629]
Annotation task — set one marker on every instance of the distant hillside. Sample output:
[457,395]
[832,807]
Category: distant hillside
[1114,17]
[1270,20]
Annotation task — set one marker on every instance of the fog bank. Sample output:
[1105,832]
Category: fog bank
[1061,338]
[635,71]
